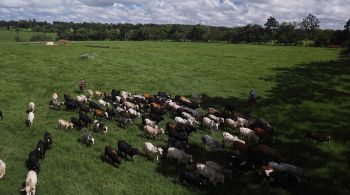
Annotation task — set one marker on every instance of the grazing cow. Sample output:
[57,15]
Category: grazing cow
[84,119]
[130,105]
[231,138]
[88,139]
[263,134]
[71,105]
[231,123]
[94,105]
[82,99]
[33,161]
[207,122]
[213,111]
[181,145]
[48,140]
[318,136]
[76,122]
[40,149]
[215,166]
[190,118]
[2,169]
[30,119]
[236,163]
[133,113]
[242,122]
[260,123]
[56,104]
[153,131]
[191,179]
[183,121]
[149,122]
[210,173]
[125,149]
[291,169]
[124,121]
[212,143]
[216,119]
[111,155]
[100,126]
[241,147]
[1,116]
[269,153]
[173,105]
[149,148]
[31,182]
[31,106]
[250,134]
[65,124]
[100,113]
[179,155]
[103,103]
[181,136]
[156,117]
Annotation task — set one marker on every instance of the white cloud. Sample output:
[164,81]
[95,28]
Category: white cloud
[332,13]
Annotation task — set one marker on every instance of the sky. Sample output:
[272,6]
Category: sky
[332,14]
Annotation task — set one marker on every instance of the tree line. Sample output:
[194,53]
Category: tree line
[306,32]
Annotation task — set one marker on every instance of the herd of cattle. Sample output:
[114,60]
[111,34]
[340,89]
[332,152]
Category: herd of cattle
[248,138]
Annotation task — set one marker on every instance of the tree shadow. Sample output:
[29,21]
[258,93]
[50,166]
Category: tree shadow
[308,97]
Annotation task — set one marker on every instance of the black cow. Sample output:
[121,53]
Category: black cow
[2,118]
[125,149]
[85,108]
[76,122]
[164,95]
[41,149]
[156,117]
[237,164]
[181,145]
[114,93]
[181,136]
[33,161]
[84,119]
[185,128]
[209,141]
[71,105]
[111,155]
[48,140]
[94,105]
[192,179]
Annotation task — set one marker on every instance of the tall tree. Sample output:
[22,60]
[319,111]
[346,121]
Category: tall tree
[347,26]
[310,25]
[270,26]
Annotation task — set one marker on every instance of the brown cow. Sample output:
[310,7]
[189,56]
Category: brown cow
[241,147]
[267,151]
[100,113]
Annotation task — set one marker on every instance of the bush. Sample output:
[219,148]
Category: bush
[41,37]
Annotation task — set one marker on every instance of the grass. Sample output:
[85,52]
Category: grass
[9,35]
[300,89]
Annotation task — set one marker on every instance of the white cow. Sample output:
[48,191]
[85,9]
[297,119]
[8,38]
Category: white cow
[2,169]
[231,138]
[180,155]
[190,118]
[153,150]
[149,122]
[54,96]
[65,124]
[242,122]
[31,106]
[231,123]
[173,105]
[153,131]
[183,121]
[215,166]
[31,181]
[216,119]
[207,122]
[30,118]
[134,112]
[250,134]
[103,103]
[82,98]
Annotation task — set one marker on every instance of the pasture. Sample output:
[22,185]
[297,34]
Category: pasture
[299,89]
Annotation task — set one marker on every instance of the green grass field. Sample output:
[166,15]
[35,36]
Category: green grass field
[9,35]
[300,89]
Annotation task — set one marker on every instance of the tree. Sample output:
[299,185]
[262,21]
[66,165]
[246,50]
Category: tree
[197,33]
[347,26]
[287,33]
[310,25]
[270,26]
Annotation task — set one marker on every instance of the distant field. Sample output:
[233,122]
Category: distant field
[9,35]
[300,89]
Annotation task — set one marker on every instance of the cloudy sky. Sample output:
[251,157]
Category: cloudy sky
[332,13]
